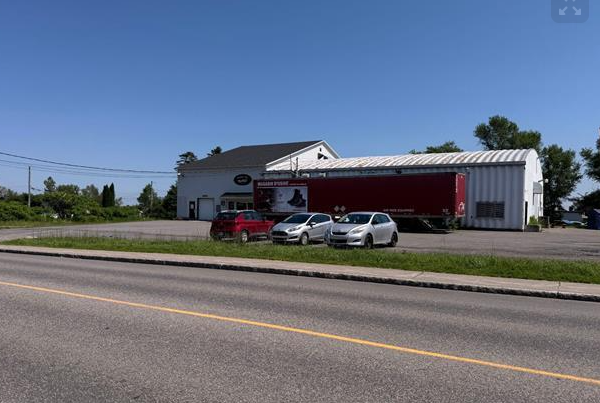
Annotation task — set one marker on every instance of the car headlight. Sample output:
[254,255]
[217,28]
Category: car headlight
[294,229]
[358,230]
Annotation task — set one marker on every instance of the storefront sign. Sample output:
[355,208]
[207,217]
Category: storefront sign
[242,179]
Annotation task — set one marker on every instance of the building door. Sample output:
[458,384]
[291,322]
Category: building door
[526,213]
[206,208]
[192,210]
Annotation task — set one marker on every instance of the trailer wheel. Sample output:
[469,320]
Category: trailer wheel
[394,240]
[304,239]
[244,236]
[369,242]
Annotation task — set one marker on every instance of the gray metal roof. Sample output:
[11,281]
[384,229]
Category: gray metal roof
[466,158]
[248,156]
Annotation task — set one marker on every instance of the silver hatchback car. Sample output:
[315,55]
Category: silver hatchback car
[302,228]
[363,229]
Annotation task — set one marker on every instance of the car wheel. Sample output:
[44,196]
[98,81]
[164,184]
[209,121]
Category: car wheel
[244,236]
[369,242]
[394,240]
[304,239]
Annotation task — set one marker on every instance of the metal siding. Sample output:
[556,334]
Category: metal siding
[490,176]
[466,158]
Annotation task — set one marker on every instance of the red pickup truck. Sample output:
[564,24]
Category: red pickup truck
[242,225]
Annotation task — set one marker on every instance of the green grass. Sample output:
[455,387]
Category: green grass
[58,223]
[536,269]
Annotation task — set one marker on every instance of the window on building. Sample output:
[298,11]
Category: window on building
[490,209]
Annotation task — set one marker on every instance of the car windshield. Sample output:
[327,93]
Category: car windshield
[297,219]
[355,219]
[229,215]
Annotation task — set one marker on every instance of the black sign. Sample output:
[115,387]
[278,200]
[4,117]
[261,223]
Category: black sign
[242,179]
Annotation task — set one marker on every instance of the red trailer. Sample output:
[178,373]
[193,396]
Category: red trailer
[434,195]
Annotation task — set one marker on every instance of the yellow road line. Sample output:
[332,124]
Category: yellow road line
[312,333]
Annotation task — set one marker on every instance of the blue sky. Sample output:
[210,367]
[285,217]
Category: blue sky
[131,84]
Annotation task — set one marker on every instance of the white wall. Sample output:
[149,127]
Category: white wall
[210,184]
[309,154]
[485,183]
[533,174]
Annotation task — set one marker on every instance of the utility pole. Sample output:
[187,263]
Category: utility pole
[151,194]
[29,188]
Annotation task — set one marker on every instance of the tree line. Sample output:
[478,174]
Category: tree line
[88,204]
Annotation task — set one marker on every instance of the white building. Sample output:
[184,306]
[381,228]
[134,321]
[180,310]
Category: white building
[224,181]
[504,187]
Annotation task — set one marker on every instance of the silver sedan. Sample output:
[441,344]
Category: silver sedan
[363,229]
[302,228]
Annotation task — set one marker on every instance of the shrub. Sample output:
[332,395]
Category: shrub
[14,211]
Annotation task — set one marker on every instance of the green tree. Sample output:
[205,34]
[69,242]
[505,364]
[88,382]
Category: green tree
[91,192]
[61,203]
[591,159]
[49,185]
[71,189]
[108,196]
[215,151]
[502,134]
[148,199]
[447,147]
[562,173]
[105,196]
[112,196]
[7,194]
[169,203]
[186,158]
[586,202]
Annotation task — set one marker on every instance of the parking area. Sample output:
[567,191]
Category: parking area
[554,243]
[161,229]
[561,243]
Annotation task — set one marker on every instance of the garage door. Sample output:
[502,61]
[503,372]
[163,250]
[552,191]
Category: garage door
[206,208]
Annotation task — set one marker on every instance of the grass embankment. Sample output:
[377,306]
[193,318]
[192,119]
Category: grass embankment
[535,269]
[61,223]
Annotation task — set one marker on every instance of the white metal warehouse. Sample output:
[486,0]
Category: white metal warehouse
[504,187]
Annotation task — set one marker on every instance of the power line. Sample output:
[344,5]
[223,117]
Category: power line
[70,171]
[86,166]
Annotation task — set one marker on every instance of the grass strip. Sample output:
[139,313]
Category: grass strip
[60,223]
[480,265]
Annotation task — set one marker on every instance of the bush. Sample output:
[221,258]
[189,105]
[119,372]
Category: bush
[14,211]
[120,213]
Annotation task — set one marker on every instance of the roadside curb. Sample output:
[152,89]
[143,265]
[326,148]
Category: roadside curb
[320,274]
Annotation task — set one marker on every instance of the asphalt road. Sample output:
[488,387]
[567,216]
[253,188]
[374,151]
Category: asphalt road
[129,332]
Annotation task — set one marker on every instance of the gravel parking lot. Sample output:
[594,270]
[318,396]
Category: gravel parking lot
[563,243]
[176,230]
